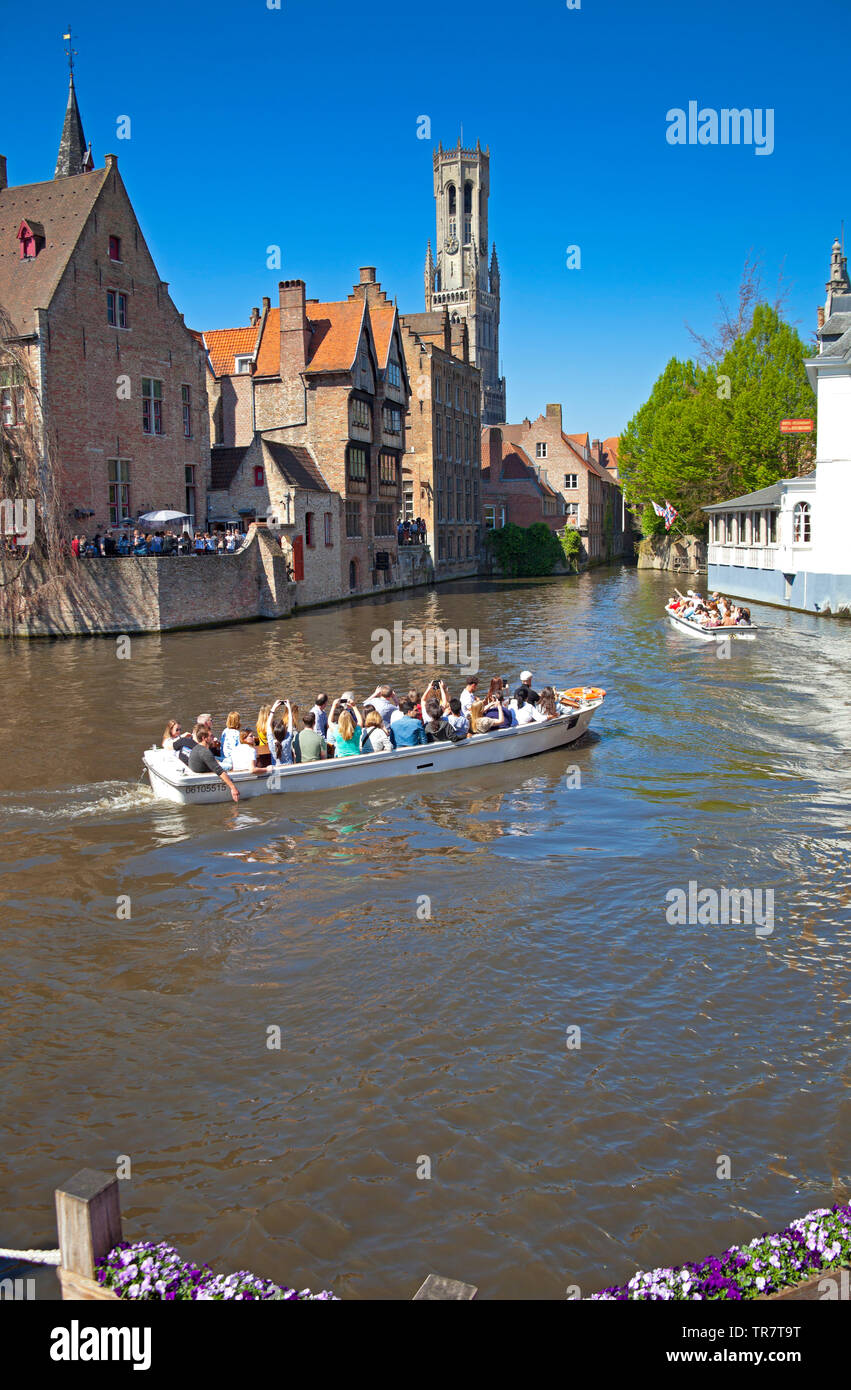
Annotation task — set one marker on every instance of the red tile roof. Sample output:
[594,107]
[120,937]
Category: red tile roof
[224,344]
[382,318]
[334,337]
[336,329]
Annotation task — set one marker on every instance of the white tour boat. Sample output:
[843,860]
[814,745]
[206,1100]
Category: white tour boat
[742,632]
[172,781]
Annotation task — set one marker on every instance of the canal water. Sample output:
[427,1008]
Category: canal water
[488,979]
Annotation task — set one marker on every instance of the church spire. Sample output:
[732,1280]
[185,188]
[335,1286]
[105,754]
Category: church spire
[429,278]
[74,157]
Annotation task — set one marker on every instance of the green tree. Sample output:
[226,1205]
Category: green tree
[713,432]
[525,551]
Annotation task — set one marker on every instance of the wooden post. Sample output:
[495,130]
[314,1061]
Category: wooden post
[437,1286]
[88,1222]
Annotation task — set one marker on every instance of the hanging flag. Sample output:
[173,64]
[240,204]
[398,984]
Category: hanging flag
[670,515]
[660,511]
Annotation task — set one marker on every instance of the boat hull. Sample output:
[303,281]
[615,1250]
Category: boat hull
[170,781]
[740,633]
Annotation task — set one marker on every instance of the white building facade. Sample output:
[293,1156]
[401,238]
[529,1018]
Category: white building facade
[789,544]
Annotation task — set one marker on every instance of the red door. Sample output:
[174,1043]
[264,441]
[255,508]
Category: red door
[298,557]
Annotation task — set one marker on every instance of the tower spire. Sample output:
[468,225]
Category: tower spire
[74,157]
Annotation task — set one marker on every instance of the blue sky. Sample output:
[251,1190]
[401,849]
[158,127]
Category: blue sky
[298,127]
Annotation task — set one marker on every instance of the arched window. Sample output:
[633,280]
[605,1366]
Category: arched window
[353,574]
[468,199]
[801,530]
[450,200]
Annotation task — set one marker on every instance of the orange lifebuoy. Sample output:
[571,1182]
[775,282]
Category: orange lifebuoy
[583,693]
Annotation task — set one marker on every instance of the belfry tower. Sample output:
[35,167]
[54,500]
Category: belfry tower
[459,276]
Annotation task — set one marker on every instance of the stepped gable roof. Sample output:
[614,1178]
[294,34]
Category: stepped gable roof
[62,207]
[428,327]
[224,465]
[297,465]
[764,497]
[224,344]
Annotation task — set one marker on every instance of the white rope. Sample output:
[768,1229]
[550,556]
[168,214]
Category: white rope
[33,1257]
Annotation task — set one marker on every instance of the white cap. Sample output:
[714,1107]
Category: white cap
[525,676]
[347,695]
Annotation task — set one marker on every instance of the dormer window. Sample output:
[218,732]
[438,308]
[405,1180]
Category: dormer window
[31,239]
[243,366]
[115,248]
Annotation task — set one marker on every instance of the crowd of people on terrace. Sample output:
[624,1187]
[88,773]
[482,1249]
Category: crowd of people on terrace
[716,611]
[136,542]
[411,531]
[281,735]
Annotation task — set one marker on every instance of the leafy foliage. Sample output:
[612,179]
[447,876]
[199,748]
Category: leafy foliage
[525,551]
[710,433]
[571,544]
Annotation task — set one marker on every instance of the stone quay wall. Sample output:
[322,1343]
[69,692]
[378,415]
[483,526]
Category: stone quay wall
[682,554]
[161,593]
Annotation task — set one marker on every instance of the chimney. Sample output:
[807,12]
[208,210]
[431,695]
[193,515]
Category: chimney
[255,317]
[267,304]
[554,413]
[367,274]
[3,180]
[295,339]
[495,453]
[597,450]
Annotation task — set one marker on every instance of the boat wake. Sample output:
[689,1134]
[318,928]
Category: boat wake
[77,803]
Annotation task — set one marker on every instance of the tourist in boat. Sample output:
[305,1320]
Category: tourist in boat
[264,757]
[437,728]
[344,702]
[407,729]
[383,699]
[480,723]
[549,706]
[280,728]
[496,701]
[245,753]
[230,734]
[320,715]
[347,736]
[457,718]
[375,738]
[201,759]
[524,708]
[532,696]
[309,746]
[469,694]
[172,731]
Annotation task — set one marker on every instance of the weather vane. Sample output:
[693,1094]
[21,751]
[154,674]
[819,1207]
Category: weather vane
[71,52]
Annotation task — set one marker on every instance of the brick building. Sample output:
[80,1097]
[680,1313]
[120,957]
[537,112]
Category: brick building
[575,469]
[120,379]
[442,472]
[331,379]
[513,489]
